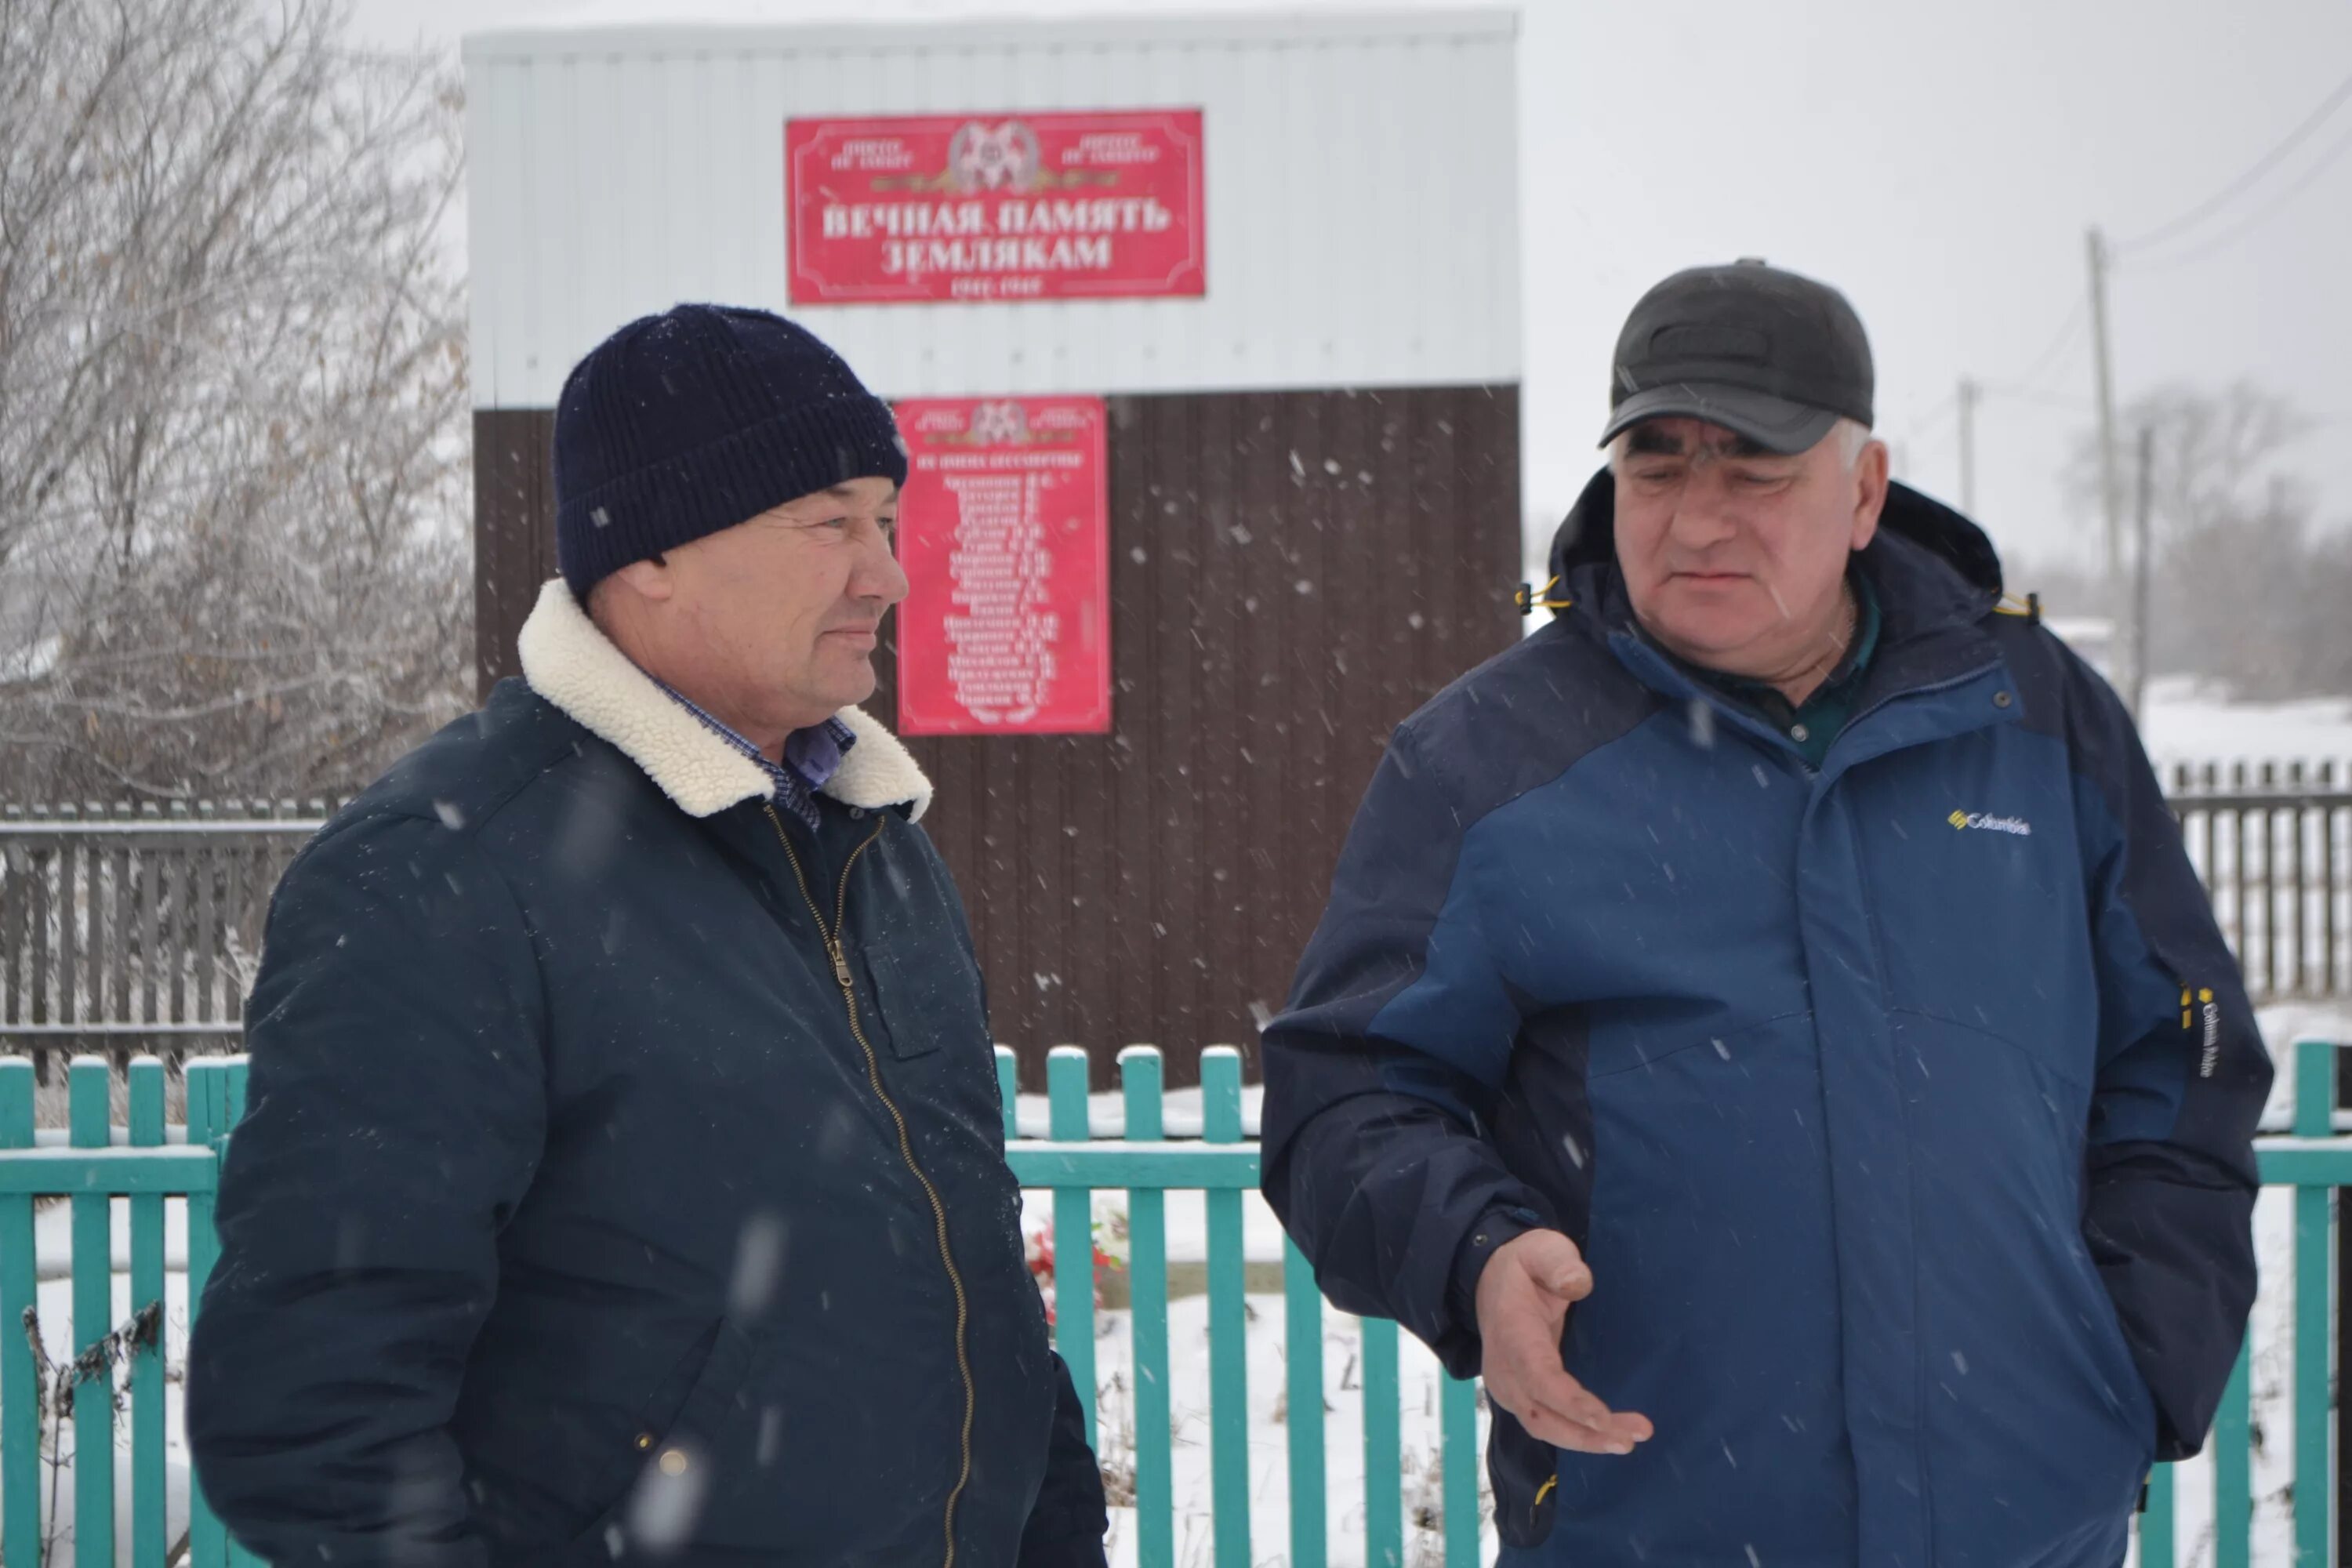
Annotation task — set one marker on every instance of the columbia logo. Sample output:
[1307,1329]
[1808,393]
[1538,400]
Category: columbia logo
[600,517]
[1968,819]
[2211,1012]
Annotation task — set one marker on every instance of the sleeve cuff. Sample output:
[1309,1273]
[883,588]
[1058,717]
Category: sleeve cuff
[1493,1229]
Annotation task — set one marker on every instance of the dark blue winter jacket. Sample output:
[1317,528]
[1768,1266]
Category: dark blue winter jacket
[623,1173]
[1902,1107]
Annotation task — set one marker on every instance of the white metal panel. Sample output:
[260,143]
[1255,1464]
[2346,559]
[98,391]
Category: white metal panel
[1361,171]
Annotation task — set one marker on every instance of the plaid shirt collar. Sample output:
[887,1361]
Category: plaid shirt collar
[812,756]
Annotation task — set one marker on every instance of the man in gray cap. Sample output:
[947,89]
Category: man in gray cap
[1766,1022]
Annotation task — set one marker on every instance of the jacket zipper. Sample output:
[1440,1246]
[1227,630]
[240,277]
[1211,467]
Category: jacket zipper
[839,954]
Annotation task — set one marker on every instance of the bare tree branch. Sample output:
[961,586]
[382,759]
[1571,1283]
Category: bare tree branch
[2244,588]
[233,464]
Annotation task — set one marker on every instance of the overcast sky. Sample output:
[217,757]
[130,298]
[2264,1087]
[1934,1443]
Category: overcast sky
[1939,164]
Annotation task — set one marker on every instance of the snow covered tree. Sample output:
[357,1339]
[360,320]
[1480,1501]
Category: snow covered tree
[2248,585]
[233,554]
[2218,454]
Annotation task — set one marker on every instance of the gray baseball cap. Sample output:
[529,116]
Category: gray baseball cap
[1773,356]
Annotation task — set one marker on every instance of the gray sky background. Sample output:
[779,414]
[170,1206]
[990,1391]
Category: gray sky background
[1939,164]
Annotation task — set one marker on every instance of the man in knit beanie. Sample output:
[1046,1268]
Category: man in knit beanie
[623,1175]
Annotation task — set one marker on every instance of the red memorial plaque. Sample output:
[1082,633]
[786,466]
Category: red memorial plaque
[995,206]
[1004,531]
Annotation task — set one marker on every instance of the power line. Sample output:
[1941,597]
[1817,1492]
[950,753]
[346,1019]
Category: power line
[1912,443]
[1921,424]
[2018,385]
[2254,172]
[2231,235]
[1927,433]
[2043,399]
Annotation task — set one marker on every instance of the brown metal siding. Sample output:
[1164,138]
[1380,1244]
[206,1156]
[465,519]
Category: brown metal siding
[514,532]
[1291,575]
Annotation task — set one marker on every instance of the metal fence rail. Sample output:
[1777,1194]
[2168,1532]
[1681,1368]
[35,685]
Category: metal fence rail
[2272,843]
[126,930]
[114,1356]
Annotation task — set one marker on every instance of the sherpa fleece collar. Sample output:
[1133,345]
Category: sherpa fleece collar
[567,660]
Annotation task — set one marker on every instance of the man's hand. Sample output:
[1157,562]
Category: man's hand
[1524,1295]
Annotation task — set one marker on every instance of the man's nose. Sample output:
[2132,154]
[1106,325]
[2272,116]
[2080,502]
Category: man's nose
[878,575]
[1704,515]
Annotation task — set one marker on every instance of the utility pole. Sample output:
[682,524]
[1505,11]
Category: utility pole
[2141,569]
[1969,393]
[2110,488]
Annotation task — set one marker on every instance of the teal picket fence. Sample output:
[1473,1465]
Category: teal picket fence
[114,1376]
[108,1355]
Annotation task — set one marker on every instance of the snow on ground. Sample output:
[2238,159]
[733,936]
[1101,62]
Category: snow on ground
[1418,1380]
[2185,720]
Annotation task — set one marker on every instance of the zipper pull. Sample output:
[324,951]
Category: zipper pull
[840,964]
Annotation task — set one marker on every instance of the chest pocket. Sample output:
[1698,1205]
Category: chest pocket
[926,989]
[1972,870]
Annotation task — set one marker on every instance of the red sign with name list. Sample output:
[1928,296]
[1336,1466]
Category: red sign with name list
[995,208]
[1004,532]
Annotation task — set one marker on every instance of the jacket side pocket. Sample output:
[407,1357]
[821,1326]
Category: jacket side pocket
[676,1429]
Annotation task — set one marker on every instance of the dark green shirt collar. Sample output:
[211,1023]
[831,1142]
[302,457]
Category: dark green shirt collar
[1814,724]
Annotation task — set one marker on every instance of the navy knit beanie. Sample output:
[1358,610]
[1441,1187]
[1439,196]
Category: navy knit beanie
[687,423]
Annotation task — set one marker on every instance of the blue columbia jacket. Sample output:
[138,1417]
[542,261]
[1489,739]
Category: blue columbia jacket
[1902,1107]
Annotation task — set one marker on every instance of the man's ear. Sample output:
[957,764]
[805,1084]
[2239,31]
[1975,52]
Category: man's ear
[650,579]
[1870,479]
